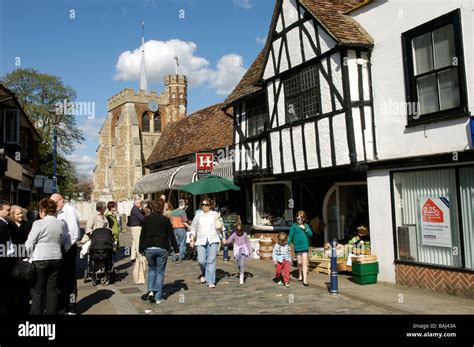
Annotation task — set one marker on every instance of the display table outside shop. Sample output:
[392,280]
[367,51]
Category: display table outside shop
[320,260]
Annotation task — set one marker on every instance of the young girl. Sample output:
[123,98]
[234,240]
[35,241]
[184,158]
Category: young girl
[281,258]
[300,233]
[242,248]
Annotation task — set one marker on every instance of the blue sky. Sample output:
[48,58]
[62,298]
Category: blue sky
[93,46]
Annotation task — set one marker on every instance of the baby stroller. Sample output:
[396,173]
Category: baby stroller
[100,258]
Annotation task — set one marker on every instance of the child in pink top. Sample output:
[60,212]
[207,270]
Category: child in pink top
[242,248]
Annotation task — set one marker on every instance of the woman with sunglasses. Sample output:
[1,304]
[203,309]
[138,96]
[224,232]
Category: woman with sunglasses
[205,236]
[300,234]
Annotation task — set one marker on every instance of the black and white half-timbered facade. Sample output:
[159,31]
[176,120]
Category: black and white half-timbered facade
[304,120]
[360,123]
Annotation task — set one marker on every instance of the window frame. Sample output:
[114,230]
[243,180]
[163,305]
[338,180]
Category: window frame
[256,103]
[301,94]
[145,114]
[156,119]
[6,137]
[462,241]
[256,226]
[454,18]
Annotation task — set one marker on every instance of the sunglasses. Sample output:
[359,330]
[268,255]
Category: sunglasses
[205,204]
[299,219]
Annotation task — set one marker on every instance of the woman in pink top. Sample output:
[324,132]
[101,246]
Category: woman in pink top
[242,248]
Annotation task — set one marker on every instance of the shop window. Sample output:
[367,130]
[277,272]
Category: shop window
[273,208]
[301,94]
[426,216]
[466,187]
[433,69]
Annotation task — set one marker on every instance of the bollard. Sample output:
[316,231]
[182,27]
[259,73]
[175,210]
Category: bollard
[333,283]
[226,253]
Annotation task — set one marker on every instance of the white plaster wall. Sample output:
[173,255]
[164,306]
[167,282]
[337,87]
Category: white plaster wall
[294,47]
[271,100]
[359,141]
[275,148]
[284,57]
[388,77]
[326,41]
[287,155]
[365,76]
[243,115]
[340,139]
[298,146]
[353,75]
[308,50]
[281,103]
[381,229]
[290,12]
[326,105]
[336,72]
[324,142]
[279,25]
[256,153]
[369,139]
[310,143]
[264,154]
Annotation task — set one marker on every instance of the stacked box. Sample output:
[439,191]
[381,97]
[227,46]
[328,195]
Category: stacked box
[365,273]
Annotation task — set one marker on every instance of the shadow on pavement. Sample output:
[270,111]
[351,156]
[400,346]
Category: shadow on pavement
[91,300]
[170,288]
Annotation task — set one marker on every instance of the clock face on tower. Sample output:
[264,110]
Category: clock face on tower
[153,106]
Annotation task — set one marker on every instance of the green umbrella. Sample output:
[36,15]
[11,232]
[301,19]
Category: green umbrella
[209,184]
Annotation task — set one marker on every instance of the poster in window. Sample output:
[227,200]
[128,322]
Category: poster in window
[435,222]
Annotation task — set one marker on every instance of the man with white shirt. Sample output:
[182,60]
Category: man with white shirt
[6,263]
[67,281]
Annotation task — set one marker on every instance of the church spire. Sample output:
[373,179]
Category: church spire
[143,85]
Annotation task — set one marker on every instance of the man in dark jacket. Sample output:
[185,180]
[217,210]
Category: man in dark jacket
[156,235]
[134,222]
[6,262]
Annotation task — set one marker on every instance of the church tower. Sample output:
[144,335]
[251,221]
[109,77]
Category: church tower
[132,129]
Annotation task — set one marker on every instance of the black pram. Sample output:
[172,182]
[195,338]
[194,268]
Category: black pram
[100,258]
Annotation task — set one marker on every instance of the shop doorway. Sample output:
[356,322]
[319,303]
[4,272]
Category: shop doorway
[345,208]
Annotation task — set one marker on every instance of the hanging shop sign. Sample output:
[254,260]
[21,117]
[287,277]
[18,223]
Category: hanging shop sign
[204,164]
[435,221]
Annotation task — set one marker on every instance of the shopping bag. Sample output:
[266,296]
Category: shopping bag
[140,269]
[24,269]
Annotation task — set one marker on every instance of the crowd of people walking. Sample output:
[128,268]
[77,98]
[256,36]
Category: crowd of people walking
[49,243]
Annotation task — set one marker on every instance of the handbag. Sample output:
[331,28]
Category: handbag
[24,269]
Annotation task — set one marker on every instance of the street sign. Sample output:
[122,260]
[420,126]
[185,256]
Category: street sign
[204,164]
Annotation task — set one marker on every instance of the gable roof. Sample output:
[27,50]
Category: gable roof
[331,14]
[204,130]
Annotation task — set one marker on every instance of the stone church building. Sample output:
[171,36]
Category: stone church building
[130,132]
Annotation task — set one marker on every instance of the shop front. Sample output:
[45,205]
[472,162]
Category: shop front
[431,212]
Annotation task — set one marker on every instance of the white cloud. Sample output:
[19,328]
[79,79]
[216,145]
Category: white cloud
[84,164]
[229,72]
[260,40]
[159,57]
[91,128]
[245,4]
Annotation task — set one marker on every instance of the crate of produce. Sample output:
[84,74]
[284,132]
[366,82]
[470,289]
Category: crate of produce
[366,279]
[316,254]
[361,269]
[365,259]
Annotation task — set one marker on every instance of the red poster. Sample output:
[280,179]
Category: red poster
[432,213]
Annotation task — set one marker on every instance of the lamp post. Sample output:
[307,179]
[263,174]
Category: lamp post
[57,115]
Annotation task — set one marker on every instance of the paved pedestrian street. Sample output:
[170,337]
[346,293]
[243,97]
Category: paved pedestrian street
[185,294]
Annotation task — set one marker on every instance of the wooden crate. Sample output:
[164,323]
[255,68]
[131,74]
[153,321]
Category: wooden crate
[325,266]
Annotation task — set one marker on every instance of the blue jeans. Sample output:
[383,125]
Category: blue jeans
[207,261]
[180,234]
[157,258]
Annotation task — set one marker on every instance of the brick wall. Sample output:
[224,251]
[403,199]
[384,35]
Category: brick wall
[438,280]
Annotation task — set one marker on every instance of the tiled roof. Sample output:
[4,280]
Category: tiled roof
[331,15]
[344,28]
[248,83]
[204,130]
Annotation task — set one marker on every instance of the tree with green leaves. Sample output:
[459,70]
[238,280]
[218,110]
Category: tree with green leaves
[39,94]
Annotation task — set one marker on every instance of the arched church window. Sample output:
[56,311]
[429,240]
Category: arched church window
[145,123]
[157,122]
